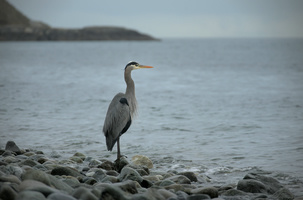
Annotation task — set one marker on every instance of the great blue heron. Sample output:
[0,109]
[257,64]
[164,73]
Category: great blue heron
[121,110]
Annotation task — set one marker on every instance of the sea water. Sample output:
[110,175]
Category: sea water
[216,106]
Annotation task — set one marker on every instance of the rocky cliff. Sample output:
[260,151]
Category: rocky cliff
[14,26]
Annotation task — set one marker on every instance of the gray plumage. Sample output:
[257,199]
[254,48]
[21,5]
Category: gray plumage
[121,110]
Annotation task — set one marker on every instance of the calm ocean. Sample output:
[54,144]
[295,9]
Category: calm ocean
[218,106]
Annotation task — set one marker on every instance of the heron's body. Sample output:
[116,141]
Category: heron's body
[121,110]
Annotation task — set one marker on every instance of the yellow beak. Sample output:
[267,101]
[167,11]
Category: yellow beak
[144,66]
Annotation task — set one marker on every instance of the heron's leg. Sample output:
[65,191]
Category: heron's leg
[118,148]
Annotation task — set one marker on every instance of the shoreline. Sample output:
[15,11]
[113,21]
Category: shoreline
[28,174]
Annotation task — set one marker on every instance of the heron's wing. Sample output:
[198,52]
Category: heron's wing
[117,118]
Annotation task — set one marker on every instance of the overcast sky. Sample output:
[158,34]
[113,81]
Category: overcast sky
[174,18]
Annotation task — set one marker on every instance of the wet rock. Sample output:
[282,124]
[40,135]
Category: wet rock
[283,194]
[68,171]
[181,195]
[271,184]
[80,155]
[14,170]
[210,191]
[42,160]
[30,195]
[11,146]
[71,181]
[143,171]
[32,174]
[128,173]
[60,196]
[255,183]
[89,181]
[127,186]
[153,178]
[110,179]
[180,179]
[76,159]
[10,178]
[7,192]
[10,159]
[233,192]
[142,161]
[198,197]
[30,153]
[8,153]
[94,163]
[112,173]
[30,163]
[190,175]
[251,186]
[84,193]
[60,185]
[99,175]
[119,164]
[37,186]
[166,183]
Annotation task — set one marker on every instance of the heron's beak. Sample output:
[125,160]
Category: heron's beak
[144,66]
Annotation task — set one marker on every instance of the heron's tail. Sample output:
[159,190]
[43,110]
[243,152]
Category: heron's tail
[110,142]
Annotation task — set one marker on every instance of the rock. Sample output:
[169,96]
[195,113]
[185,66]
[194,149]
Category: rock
[76,159]
[181,195]
[126,186]
[272,185]
[177,187]
[10,159]
[143,171]
[8,153]
[32,174]
[95,163]
[180,179]
[37,186]
[166,183]
[142,161]
[128,173]
[30,195]
[30,163]
[15,170]
[60,185]
[283,194]
[153,178]
[251,186]
[80,155]
[110,179]
[112,173]
[198,197]
[6,192]
[210,191]
[10,178]
[233,192]
[11,146]
[119,164]
[255,183]
[71,181]
[30,153]
[166,194]
[84,193]
[68,171]
[190,175]
[60,196]
[99,175]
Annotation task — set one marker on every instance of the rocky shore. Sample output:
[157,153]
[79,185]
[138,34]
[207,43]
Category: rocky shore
[30,174]
[15,26]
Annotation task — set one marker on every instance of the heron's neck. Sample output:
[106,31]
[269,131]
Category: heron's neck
[130,85]
[130,93]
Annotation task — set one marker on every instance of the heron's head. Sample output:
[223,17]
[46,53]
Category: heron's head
[134,65]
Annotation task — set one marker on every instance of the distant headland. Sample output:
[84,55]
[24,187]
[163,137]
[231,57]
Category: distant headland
[14,26]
